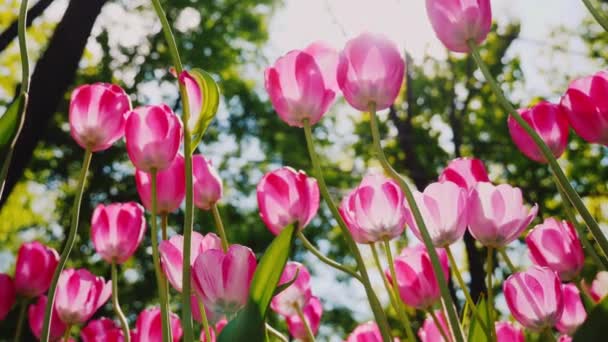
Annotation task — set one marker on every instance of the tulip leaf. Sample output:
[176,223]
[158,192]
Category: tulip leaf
[284,286]
[594,328]
[210,94]
[249,324]
[476,332]
[10,122]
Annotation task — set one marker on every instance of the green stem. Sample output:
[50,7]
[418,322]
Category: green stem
[274,332]
[599,17]
[310,336]
[439,326]
[69,244]
[332,263]
[371,296]
[21,319]
[164,223]
[547,336]
[206,328]
[426,238]
[116,305]
[388,287]
[571,195]
[67,333]
[505,257]
[220,226]
[489,271]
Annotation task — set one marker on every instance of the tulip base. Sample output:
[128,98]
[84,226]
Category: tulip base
[20,319]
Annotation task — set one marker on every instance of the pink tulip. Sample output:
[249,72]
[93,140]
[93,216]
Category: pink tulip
[587,107]
[370,71]
[457,21]
[465,172]
[117,230]
[222,280]
[418,286]
[429,332]
[301,84]
[564,338]
[195,98]
[556,245]
[207,187]
[374,211]
[219,326]
[497,215]
[312,313]
[550,122]
[195,304]
[148,327]
[102,330]
[172,255]
[34,270]
[444,209]
[574,313]
[599,286]
[366,332]
[97,115]
[297,294]
[507,332]
[153,135]
[286,196]
[35,315]
[170,187]
[7,295]
[79,294]
[535,297]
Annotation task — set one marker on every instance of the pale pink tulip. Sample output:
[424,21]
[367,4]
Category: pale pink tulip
[574,313]
[207,188]
[312,313]
[366,332]
[35,315]
[297,294]
[465,172]
[599,286]
[508,332]
[7,295]
[170,187]
[148,327]
[195,98]
[79,295]
[429,332]
[102,330]
[34,270]
[215,331]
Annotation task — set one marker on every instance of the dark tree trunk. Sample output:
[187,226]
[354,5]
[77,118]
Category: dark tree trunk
[10,33]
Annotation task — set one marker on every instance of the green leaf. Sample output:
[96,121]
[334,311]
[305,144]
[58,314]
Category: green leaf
[210,93]
[284,286]
[476,332]
[594,328]
[10,122]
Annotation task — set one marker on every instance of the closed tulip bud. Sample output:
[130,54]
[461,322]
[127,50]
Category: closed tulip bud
[302,84]
[370,71]
[429,332]
[465,172]
[535,297]
[79,295]
[7,295]
[312,313]
[564,338]
[366,332]
[550,122]
[170,187]
[97,115]
[153,135]
[219,326]
[207,185]
[507,332]
[587,107]
[117,230]
[35,315]
[148,327]
[286,196]
[574,313]
[458,21]
[34,270]
[102,330]
[497,214]
[556,245]
[297,294]
[444,209]
[599,286]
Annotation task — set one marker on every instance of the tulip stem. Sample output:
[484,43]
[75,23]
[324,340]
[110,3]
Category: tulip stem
[206,328]
[21,319]
[548,336]
[164,223]
[389,289]
[426,238]
[220,226]
[597,15]
[69,244]
[439,326]
[489,271]
[310,336]
[67,333]
[332,263]
[274,332]
[505,257]
[116,305]
[371,296]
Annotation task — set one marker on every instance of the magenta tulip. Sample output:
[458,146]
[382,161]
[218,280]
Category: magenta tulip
[497,214]
[587,107]
[458,21]
[148,327]
[556,245]
[444,209]
[153,135]
[574,313]
[35,315]
[7,295]
[465,172]
[564,338]
[34,270]
[301,84]
[599,287]
[508,332]
[97,115]
[297,294]
[219,326]
[312,313]
[374,211]
[366,332]
[79,295]
[207,188]
[172,255]
[429,332]
[370,71]
[286,196]
[117,230]
[170,187]
[102,330]
[222,280]
[550,122]
[535,297]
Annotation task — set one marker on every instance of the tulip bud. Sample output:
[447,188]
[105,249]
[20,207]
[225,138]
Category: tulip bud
[79,295]
[35,315]
[465,172]
[207,188]
[148,327]
[507,332]
[297,294]
[103,329]
[366,332]
[7,295]
[312,313]
[574,313]
[170,187]
[34,270]
[429,332]
[599,286]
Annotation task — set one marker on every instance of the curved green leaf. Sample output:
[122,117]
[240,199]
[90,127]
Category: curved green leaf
[10,122]
[476,332]
[210,93]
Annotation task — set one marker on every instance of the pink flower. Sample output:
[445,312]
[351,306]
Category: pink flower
[370,71]
[215,331]
[97,115]
[564,338]
[297,294]
[7,295]
[312,312]
[301,84]
[35,315]
[195,98]
[574,313]
[599,286]
[79,294]
[170,187]
[535,297]
[153,135]
[366,332]
[457,21]
[117,230]
[286,196]
[34,270]
[374,211]
[550,122]
[418,286]
[429,332]
[556,245]
[497,215]
[172,255]
[465,172]
[222,280]
[207,187]
[507,332]
[102,330]
[148,327]
[587,107]
[444,209]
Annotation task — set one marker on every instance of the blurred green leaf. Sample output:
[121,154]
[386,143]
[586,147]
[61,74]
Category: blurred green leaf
[210,93]
[476,332]
[594,328]
[10,121]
